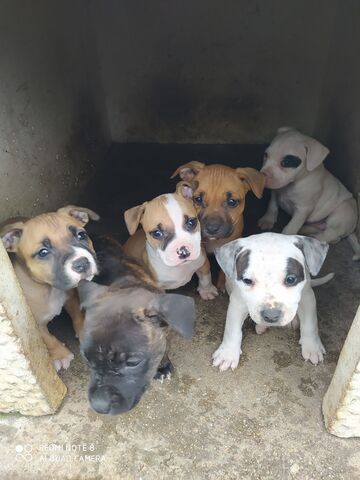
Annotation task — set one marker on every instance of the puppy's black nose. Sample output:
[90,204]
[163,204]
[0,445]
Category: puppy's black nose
[81,265]
[183,252]
[271,315]
[212,227]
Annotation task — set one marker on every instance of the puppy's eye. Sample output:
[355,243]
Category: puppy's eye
[247,281]
[232,202]
[81,235]
[133,362]
[198,200]
[290,280]
[44,252]
[191,223]
[157,234]
[290,161]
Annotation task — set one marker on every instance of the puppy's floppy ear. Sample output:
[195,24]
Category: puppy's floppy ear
[253,179]
[313,250]
[178,311]
[11,234]
[89,292]
[189,170]
[186,189]
[227,257]
[133,217]
[285,129]
[84,215]
[316,153]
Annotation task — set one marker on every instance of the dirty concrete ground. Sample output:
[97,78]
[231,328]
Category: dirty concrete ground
[261,421]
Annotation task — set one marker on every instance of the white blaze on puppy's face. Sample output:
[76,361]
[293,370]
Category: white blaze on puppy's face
[80,265]
[172,229]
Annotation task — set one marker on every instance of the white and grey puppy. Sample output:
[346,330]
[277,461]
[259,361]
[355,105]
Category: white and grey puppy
[268,278]
[318,202]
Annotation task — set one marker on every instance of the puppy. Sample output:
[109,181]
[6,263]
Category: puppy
[268,278]
[124,339]
[169,242]
[319,204]
[219,199]
[51,253]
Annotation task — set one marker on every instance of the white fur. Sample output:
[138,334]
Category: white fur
[309,193]
[267,269]
[75,277]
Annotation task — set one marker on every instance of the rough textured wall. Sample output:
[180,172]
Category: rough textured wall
[338,122]
[52,109]
[212,71]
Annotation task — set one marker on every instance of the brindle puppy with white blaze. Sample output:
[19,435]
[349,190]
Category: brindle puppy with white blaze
[124,340]
[268,278]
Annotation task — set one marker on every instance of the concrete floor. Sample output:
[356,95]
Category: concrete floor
[262,421]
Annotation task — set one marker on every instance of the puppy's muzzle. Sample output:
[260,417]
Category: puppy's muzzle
[107,400]
[215,226]
[183,252]
[271,315]
[81,265]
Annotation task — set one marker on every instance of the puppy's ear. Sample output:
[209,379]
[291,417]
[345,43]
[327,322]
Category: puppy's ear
[11,234]
[285,129]
[253,179]
[133,217]
[316,153]
[313,250]
[89,292]
[189,170]
[83,215]
[227,257]
[178,311]
[186,189]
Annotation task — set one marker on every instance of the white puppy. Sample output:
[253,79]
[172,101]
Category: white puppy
[268,278]
[319,204]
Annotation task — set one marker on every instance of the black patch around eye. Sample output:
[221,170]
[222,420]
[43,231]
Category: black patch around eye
[293,269]
[190,223]
[168,236]
[290,161]
[242,263]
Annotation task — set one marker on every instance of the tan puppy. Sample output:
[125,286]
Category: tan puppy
[169,242]
[52,253]
[219,198]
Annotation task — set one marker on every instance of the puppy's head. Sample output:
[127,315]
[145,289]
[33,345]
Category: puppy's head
[124,340]
[170,224]
[271,270]
[289,154]
[219,195]
[54,247]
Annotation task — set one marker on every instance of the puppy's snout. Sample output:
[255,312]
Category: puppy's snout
[213,226]
[105,399]
[271,315]
[183,252]
[81,265]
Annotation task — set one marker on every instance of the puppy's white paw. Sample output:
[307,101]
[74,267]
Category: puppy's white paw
[64,362]
[259,329]
[225,358]
[266,223]
[313,350]
[208,293]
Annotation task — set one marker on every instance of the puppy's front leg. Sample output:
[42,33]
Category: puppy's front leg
[60,355]
[268,221]
[311,347]
[228,354]
[206,289]
[297,221]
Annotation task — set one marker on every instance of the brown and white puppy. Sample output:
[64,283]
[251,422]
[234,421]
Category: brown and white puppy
[169,242]
[124,340]
[219,199]
[52,253]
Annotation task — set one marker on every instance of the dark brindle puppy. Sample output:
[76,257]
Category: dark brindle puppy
[124,339]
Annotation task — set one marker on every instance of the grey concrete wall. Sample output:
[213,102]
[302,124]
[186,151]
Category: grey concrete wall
[53,125]
[338,120]
[212,71]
